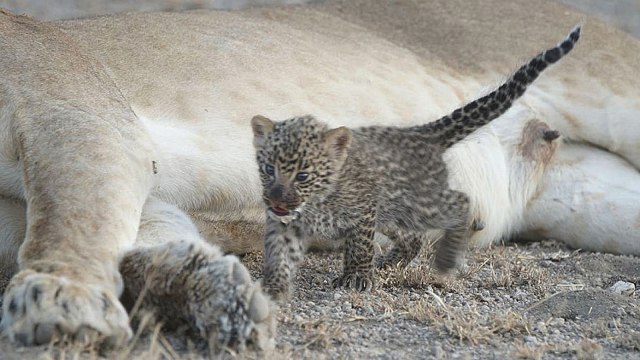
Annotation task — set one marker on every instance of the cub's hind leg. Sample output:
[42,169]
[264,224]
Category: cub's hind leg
[453,216]
[407,246]
[184,280]
[446,210]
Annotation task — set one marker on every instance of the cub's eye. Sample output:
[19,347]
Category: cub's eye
[302,176]
[269,170]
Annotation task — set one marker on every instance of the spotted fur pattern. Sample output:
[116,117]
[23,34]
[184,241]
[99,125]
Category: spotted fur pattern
[190,282]
[341,183]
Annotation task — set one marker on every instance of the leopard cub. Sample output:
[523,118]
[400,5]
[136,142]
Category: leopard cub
[342,183]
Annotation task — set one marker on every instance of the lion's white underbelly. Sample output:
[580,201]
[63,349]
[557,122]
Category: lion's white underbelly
[11,184]
[590,199]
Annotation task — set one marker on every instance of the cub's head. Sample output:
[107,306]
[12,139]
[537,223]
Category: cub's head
[298,158]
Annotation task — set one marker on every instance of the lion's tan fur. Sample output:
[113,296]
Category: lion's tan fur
[283,61]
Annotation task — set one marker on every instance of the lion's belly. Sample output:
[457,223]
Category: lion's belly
[588,198]
[204,170]
[11,183]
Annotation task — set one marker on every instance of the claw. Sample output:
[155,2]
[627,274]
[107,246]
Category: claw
[550,135]
[44,333]
[240,274]
[259,307]
[477,225]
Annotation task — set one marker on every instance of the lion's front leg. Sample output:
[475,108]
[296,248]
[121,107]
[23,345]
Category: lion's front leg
[34,315]
[185,281]
[85,179]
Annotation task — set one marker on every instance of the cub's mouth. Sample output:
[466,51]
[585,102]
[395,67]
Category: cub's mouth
[278,211]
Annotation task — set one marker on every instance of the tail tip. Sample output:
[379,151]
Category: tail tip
[574,35]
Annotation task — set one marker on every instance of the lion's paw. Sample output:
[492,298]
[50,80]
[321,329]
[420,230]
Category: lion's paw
[240,315]
[39,308]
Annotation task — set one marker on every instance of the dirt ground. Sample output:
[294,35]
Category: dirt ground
[531,301]
[527,301]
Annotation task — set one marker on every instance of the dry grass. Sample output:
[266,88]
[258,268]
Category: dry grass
[526,351]
[510,272]
[584,349]
[588,350]
[468,324]
[321,334]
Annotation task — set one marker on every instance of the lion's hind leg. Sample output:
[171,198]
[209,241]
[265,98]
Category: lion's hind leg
[185,281]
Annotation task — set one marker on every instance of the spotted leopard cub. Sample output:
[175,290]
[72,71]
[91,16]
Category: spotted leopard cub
[341,183]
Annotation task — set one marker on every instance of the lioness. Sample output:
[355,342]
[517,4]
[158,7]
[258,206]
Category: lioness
[113,128]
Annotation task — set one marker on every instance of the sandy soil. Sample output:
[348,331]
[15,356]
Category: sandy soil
[528,301]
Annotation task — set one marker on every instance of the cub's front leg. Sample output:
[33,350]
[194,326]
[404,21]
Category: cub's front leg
[358,256]
[283,250]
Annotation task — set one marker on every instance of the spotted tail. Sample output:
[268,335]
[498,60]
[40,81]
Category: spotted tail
[463,121]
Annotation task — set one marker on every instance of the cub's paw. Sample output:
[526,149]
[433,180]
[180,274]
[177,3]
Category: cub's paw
[39,308]
[277,292]
[356,281]
[240,316]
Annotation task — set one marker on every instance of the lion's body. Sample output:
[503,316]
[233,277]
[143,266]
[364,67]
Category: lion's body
[87,107]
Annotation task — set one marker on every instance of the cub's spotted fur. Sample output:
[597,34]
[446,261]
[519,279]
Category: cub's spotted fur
[341,183]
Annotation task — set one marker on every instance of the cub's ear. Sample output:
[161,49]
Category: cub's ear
[338,141]
[261,127]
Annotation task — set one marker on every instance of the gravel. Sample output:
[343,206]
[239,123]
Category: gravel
[532,301]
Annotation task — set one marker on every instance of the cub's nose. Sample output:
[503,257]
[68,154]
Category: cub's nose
[276,193]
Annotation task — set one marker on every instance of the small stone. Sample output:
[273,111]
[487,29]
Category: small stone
[346,306]
[439,352]
[336,296]
[623,288]
[540,327]
[547,263]
[557,322]
[531,340]
[620,312]
[520,294]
